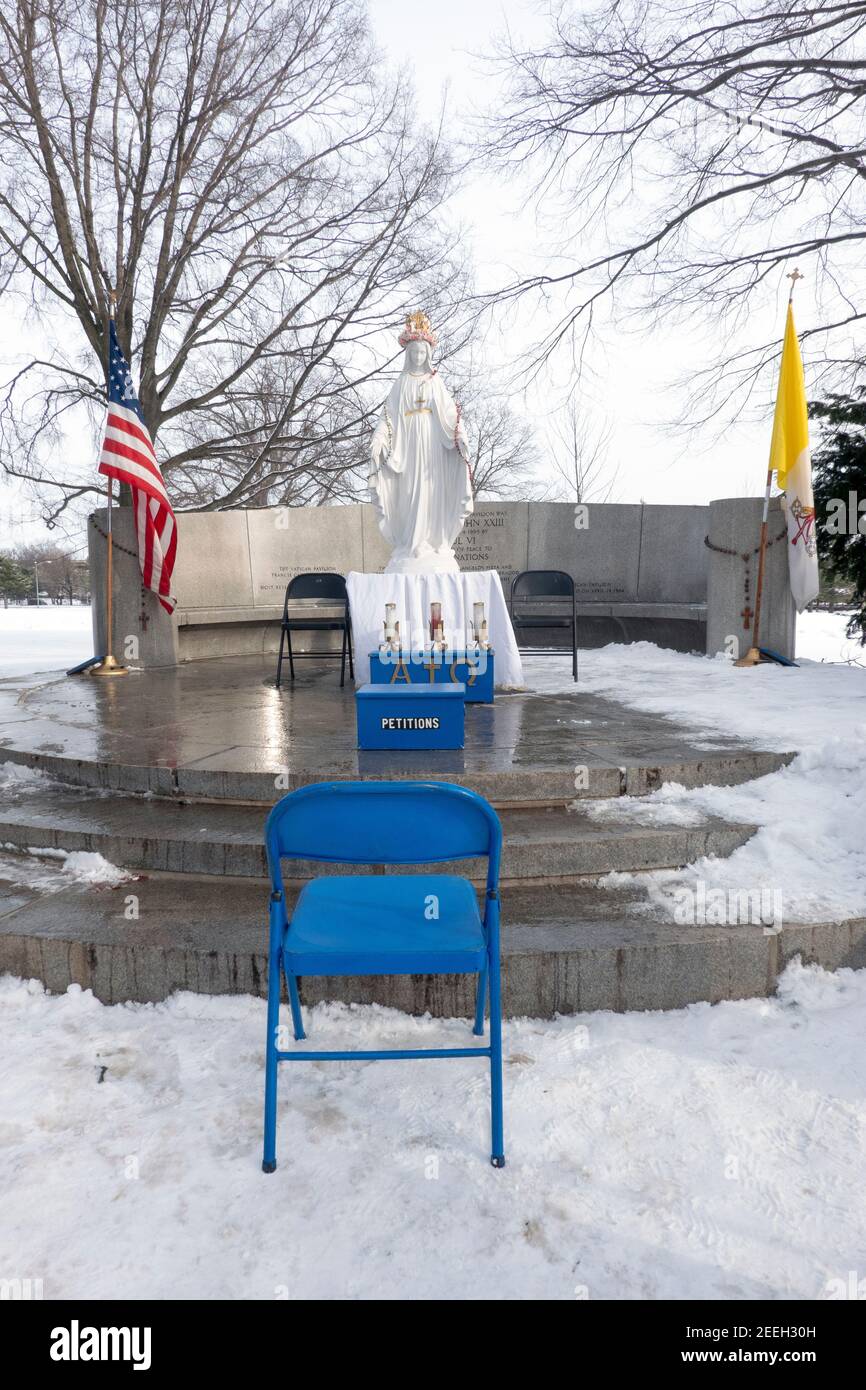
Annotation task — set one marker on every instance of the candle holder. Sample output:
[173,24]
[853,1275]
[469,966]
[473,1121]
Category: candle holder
[391,640]
[479,625]
[437,628]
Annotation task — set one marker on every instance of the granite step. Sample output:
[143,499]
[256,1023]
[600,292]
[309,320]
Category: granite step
[505,780]
[565,949]
[145,835]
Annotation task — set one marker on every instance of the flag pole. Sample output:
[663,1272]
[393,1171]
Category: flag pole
[753,655]
[109,666]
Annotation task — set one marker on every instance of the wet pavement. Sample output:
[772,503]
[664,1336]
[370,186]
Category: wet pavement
[221,728]
[219,731]
[229,713]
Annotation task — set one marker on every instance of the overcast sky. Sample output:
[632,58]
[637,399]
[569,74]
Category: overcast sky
[634,377]
[632,390]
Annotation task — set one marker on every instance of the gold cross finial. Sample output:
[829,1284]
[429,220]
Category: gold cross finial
[793,275]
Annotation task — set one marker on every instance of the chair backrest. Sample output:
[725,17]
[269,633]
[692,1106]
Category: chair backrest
[331,586]
[542,584]
[383,823]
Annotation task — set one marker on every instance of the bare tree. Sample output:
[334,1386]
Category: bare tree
[505,456]
[321,458]
[693,152]
[61,576]
[263,203]
[581,458]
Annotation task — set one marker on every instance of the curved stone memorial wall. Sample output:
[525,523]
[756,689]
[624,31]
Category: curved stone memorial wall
[640,572]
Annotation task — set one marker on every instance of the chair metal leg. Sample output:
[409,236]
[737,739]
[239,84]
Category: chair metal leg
[295,1002]
[574,650]
[280,657]
[480,1000]
[343,658]
[497,1154]
[269,1156]
[349,641]
[291,654]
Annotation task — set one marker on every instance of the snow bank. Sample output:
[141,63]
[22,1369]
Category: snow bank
[707,1153]
[17,778]
[811,844]
[49,870]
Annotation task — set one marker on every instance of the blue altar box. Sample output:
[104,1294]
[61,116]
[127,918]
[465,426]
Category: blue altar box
[438,669]
[410,716]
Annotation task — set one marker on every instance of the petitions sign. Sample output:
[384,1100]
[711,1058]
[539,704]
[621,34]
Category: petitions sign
[400,717]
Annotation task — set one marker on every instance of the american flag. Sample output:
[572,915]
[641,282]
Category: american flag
[127,455]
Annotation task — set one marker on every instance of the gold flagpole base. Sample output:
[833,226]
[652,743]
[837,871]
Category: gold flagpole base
[109,667]
[752,658]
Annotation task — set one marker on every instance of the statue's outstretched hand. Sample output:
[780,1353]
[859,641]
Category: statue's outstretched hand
[379,444]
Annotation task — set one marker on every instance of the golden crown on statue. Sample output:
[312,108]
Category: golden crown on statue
[418,330]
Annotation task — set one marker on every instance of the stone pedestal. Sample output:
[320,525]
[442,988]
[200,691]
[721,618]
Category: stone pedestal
[735,523]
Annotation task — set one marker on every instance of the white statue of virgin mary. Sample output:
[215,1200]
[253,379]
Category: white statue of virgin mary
[420,483]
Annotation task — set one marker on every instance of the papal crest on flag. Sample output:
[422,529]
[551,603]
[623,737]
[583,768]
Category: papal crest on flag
[791,459]
[128,455]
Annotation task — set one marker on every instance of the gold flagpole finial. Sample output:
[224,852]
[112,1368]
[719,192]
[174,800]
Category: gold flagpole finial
[793,275]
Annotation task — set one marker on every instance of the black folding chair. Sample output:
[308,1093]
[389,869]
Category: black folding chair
[538,601]
[319,592]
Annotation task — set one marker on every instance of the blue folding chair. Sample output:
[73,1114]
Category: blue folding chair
[383,924]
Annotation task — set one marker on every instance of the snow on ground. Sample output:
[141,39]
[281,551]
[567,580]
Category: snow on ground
[821,637]
[43,639]
[49,870]
[769,706]
[707,1153]
[811,843]
[44,868]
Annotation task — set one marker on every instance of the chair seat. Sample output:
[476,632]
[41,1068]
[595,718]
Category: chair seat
[356,924]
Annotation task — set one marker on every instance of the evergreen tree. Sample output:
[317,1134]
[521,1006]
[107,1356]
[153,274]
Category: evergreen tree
[840,496]
[15,582]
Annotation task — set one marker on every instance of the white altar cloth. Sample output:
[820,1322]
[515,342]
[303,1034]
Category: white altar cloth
[413,594]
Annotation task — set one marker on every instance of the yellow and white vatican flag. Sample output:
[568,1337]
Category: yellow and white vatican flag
[792,461]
